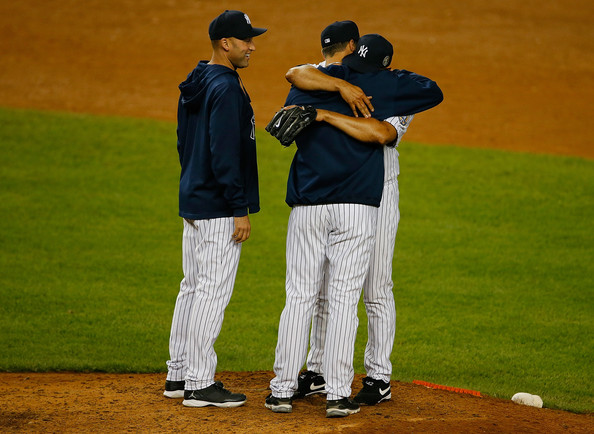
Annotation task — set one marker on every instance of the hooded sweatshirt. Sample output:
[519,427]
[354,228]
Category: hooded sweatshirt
[331,167]
[217,145]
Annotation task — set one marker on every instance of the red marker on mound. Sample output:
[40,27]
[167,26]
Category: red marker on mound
[451,389]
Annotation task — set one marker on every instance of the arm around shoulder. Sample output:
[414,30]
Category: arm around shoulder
[308,77]
[428,94]
[366,130]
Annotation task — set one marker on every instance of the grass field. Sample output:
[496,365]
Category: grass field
[493,270]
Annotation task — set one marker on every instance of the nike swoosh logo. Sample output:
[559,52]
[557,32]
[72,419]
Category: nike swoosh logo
[314,387]
[383,392]
[278,123]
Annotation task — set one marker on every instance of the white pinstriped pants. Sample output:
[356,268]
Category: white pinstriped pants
[210,262]
[377,294]
[343,235]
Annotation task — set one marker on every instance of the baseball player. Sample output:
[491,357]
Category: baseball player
[378,295]
[334,191]
[218,188]
[377,289]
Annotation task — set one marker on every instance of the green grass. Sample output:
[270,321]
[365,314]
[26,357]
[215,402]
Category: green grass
[493,268]
[494,273]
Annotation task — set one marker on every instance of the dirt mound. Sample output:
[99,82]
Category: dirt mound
[75,402]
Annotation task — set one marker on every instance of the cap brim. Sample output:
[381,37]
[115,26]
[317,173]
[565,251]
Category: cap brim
[354,62]
[257,31]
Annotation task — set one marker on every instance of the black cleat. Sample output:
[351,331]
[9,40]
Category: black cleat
[174,389]
[309,383]
[341,407]
[279,405]
[373,392]
[215,394]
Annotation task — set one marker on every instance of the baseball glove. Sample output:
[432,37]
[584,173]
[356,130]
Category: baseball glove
[287,123]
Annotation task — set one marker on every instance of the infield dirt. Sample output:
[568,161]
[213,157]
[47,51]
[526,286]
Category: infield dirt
[516,76]
[74,402]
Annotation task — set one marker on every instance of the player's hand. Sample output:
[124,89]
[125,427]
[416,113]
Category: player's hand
[242,229]
[356,99]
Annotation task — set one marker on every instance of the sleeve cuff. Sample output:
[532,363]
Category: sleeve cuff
[240,212]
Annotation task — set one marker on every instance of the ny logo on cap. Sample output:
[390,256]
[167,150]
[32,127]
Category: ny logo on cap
[247,19]
[362,51]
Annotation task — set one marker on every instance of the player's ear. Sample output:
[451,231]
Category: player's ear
[225,44]
[352,45]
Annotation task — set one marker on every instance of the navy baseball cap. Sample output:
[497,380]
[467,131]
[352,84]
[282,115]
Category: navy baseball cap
[339,31]
[233,24]
[373,53]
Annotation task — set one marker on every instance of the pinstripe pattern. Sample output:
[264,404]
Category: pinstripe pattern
[378,287]
[342,235]
[378,295]
[317,338]
[210,261]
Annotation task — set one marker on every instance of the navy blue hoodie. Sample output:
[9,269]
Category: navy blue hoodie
[217,145]
[331,167]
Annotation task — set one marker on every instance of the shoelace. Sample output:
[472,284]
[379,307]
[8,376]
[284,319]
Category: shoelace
[220,387]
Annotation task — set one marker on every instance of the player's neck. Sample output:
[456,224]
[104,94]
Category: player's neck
[336,59]
[332,60]
[220,59]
